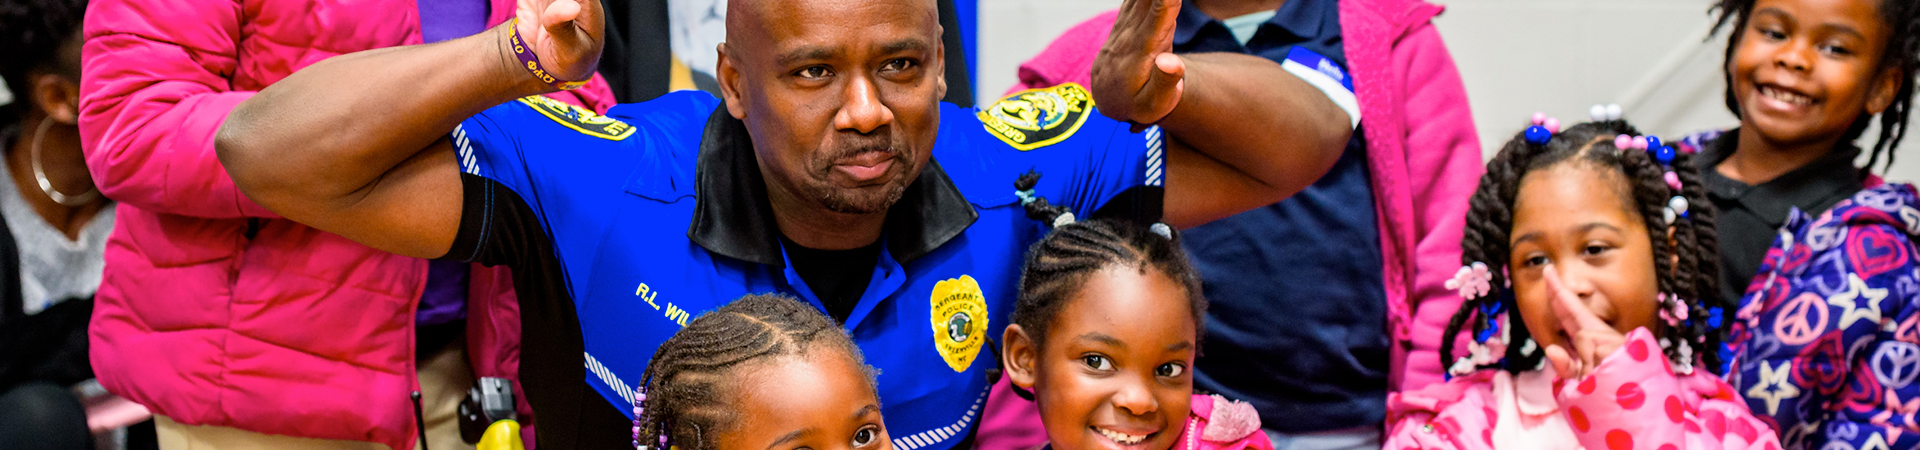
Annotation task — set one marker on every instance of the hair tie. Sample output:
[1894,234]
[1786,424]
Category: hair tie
[1026,196]
[1543,129]
[1472,280]
[1604,113]
[1064,219]
[1161,229]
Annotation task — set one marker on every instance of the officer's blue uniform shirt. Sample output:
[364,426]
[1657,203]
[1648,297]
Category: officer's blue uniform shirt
[639,221]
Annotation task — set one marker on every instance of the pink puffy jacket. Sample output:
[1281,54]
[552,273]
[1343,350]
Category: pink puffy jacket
[1632,400]
[212,310]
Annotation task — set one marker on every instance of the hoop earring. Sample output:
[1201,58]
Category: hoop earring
[40,174]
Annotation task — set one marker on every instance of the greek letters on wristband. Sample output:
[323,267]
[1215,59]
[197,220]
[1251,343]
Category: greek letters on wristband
[532,61]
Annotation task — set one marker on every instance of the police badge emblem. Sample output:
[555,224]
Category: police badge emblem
[959,321]
[579,119]
[1037,118]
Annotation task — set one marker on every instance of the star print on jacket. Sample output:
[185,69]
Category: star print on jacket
[1825,339]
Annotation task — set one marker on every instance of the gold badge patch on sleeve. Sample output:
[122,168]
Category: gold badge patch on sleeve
[1037,118]
[959,321]
[579,119]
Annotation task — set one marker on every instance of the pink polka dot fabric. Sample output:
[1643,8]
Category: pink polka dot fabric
[1632,401]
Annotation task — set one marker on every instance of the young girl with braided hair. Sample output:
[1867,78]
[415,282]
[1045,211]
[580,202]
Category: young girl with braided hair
[763,372]
[1104,334]
[1586,257]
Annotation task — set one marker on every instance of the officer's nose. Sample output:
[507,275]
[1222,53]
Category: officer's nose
[862,111]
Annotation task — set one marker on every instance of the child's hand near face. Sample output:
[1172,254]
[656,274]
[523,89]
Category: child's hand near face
[1592,339]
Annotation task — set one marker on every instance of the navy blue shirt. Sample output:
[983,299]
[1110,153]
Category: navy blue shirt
[622,228]
[1297,320]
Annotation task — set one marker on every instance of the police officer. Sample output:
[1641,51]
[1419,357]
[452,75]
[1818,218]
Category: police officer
[825,171]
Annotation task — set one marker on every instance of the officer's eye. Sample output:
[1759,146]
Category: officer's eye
[814,72]
[866,436]
[1170,370]
[900,64]
[1097,362]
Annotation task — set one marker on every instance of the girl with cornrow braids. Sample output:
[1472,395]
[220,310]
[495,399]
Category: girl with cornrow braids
[1588,280]
[1816,253]
[762,372]
[1104,334]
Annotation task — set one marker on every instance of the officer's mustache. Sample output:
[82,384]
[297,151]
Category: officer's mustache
[848,151]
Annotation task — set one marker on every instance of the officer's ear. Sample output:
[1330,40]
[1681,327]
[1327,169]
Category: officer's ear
[940,72]
[729,79]
[1020,356]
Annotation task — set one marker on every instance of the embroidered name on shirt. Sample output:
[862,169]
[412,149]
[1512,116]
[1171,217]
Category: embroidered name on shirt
[673,312]
[1037,118]
[579,119]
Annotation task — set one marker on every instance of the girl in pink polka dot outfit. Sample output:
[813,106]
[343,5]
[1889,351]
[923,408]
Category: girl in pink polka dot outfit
[1586,255]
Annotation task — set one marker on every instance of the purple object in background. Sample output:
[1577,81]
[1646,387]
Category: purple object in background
[445,299]
[447,19]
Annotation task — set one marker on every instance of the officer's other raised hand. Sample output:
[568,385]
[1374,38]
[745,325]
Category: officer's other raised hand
[566,34]
[1137,78]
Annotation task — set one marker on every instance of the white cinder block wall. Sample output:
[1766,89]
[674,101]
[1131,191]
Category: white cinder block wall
[1517,57]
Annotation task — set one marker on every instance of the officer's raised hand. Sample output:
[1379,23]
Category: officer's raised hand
[1137,78]
[566,34]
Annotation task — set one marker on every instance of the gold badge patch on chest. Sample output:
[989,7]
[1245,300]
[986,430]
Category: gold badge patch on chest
[1037,118]
[959,321]
[579,119]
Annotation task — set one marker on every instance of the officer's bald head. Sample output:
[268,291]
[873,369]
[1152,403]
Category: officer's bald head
[750,21]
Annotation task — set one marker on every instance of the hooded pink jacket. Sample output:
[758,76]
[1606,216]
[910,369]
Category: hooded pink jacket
[212,310]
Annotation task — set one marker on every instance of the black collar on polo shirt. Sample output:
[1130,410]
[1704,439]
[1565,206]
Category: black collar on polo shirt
[1813,187]
[1304,19]
[732,216]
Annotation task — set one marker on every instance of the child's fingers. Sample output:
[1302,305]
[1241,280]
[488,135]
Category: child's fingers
[1589,348]
[1561,361]
[1573,314]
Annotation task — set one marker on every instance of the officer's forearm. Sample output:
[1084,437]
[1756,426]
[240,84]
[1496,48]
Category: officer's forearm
[1249,113]
[331,129]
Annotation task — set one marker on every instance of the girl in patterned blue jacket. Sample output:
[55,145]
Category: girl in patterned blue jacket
[1817,261]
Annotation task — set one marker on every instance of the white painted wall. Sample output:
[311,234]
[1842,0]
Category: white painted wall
[1517,57]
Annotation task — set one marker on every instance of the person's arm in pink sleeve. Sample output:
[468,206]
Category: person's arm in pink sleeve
[1632,400]
[1069,58]
[154,89]
[1444,163]
[596,95]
